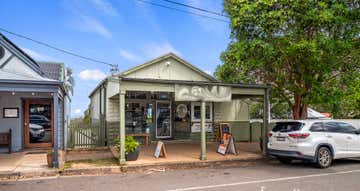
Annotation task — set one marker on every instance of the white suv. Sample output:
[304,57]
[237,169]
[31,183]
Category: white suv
[319,141]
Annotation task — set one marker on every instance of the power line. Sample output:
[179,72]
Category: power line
[196,8]
[59,49]
[183,11]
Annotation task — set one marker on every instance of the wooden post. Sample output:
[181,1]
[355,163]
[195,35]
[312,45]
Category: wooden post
[266,121]
[122,159]
[56,130]
[203,131]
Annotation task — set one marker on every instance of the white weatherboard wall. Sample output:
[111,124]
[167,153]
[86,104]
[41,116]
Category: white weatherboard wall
[236,110]
[18,67]
[169,69]
[95,106]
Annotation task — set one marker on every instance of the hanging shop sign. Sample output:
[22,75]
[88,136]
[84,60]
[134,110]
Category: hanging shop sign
[205,93]
[196,127]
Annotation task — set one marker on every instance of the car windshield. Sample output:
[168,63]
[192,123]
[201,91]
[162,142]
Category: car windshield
[287,126]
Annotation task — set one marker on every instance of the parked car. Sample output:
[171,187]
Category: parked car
[36,131]
[40,120]
[318,141]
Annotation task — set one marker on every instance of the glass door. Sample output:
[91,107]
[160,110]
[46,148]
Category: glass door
[38,123]
[163,119]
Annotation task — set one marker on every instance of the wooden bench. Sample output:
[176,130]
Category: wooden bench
[144,135]
[5,140]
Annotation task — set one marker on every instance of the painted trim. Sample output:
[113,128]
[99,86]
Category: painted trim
[161,81]
[21,54]
[7,60]
[156,123]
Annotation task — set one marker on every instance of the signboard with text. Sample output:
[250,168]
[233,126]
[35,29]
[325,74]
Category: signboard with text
[196,127]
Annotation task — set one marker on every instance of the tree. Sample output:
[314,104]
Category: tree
[307,50]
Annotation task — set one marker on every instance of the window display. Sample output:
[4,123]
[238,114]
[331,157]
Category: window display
[138,117]
[196,111]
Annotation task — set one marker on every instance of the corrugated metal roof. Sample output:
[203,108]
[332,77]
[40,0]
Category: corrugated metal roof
[53,70]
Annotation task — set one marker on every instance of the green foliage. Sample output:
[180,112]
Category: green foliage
[130,144]
[50,153]
[307,50]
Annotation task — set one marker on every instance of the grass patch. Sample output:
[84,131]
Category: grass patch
[96,162]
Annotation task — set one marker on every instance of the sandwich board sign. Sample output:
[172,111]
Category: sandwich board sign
[227,145]
[160,150]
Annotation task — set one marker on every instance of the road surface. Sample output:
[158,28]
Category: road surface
[262,176]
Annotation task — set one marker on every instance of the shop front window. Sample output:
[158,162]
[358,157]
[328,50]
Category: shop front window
[196,112]
[138,117]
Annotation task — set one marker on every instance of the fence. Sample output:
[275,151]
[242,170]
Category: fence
[82,135]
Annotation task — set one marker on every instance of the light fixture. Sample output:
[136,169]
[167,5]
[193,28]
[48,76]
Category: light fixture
[12,93]
[32,93]
[52,94]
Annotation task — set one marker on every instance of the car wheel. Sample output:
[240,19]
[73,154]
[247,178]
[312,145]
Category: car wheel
[323,157]
[285,160]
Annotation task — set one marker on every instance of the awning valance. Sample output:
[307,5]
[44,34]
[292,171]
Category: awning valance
[211,93]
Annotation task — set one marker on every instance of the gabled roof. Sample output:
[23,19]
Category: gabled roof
[22,55]
[164,57]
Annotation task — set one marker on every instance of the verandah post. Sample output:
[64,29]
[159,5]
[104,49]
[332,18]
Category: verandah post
[56,137]
[203,131]
[266,120]
[122,159]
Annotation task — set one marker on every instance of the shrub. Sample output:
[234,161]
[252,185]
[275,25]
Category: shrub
[130,144]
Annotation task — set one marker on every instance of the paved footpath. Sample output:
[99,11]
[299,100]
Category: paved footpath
[263,176]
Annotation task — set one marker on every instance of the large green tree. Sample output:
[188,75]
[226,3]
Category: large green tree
[307,50]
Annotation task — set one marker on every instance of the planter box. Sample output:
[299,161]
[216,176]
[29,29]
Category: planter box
[50,160]
[129,157]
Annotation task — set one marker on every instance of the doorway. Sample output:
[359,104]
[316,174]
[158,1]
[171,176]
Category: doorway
[38,123]
[163,120]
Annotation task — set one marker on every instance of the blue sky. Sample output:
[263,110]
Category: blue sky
[123,32]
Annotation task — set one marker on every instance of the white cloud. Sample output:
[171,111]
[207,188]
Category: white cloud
[94,75]
[105,6]
[129,56]
[92,25]
[77,111]
[82,21]
[153,50]
[36,55]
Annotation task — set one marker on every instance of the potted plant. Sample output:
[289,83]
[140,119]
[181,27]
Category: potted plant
[50,158]
[132,148]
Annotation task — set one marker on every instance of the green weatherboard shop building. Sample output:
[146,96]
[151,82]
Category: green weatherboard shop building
[168,98]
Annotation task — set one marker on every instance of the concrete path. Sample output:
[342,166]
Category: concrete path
[9,162]
[263,176]
[24,162]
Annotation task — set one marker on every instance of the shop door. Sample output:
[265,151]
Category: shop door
[163,120]
[38,123]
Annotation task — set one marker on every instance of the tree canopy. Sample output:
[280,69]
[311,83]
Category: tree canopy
[307,50]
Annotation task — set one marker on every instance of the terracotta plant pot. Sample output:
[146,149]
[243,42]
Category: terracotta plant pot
[50,160]
[133,156]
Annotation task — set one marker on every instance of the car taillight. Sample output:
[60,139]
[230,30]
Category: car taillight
[299,135]
[269,135]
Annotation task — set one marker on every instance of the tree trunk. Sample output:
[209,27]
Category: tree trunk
[299,108]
